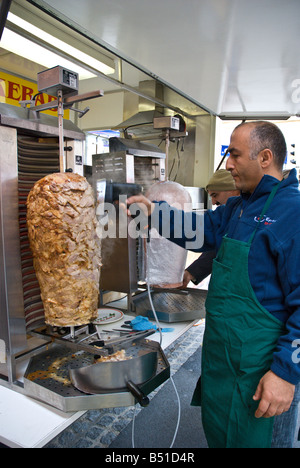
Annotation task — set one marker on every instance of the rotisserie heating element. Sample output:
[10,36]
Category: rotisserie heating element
[37,157]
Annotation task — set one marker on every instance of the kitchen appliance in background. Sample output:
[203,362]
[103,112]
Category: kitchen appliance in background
[128,162]
[124,257]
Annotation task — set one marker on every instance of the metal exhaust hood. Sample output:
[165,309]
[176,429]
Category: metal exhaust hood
[140,123]
[140,119]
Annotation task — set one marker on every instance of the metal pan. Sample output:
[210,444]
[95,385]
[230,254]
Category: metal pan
[116,376]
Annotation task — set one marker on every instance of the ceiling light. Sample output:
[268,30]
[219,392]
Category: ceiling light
[59,45]
[19,45]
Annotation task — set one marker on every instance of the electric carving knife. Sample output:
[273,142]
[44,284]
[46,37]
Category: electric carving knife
[109,191]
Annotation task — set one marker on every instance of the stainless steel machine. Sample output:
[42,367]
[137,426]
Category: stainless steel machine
[36,359]
[124,257]
[56,365]
[128,161]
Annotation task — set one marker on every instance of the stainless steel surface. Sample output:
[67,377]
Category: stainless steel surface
[199,197]
[172,305]
[122,255]
[58,79]
[78,339]
[72,343]
[124,341]
[166,122]
[141,122]
[112,376]
[47,379]
[117,166]
[12,321]
[119,259]
[69,100]
[42,124]
[101,189]
[19,302]
[135,148]
[20,167]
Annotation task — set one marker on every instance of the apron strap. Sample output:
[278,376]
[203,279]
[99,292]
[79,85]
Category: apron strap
[265,209]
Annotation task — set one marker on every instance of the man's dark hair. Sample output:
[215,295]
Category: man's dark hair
[266,135]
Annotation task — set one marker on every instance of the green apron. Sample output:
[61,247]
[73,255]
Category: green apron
[239,341]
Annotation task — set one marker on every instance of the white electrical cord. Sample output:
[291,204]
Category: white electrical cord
[171,378]
[179,412]
[174,386]
[154,313]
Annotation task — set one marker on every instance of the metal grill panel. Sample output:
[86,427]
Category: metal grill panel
[36,159]
[172,306]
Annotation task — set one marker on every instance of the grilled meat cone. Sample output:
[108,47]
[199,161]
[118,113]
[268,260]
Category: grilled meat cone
[62,224]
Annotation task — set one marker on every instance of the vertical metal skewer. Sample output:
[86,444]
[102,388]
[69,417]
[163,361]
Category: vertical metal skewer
[167,152]
[60,113]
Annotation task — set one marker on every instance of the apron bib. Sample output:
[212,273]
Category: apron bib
[239,342]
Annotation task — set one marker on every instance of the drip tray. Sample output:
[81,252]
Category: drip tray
[172,305]
[47,378]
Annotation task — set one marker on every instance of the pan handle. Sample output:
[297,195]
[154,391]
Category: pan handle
[137,393]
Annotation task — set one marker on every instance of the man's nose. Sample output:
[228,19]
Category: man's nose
[229,164]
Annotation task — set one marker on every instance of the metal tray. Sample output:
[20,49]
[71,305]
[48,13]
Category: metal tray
[172,305]
[47,378]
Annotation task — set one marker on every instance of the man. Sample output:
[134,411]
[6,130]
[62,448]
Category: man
[220,187]
[250,365]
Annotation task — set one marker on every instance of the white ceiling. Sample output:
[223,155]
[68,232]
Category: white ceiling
[229,56]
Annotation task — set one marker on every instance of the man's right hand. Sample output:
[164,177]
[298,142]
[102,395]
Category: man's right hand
[143,204]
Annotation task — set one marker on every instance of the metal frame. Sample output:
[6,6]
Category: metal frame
[13,334]
[12,330]
[122,258]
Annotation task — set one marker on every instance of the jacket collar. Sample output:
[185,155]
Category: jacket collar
[267,183]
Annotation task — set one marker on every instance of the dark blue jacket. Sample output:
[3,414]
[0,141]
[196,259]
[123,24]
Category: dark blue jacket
[274,259]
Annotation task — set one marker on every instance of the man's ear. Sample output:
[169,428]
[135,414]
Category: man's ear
[266,158]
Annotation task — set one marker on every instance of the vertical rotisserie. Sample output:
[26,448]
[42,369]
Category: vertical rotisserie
[62,229]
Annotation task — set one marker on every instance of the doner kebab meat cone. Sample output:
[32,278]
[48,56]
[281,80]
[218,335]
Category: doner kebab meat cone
[62,230]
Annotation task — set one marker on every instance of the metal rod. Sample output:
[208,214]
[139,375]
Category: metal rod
[167,151]
[84,97]
[221,162]
[60,112]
